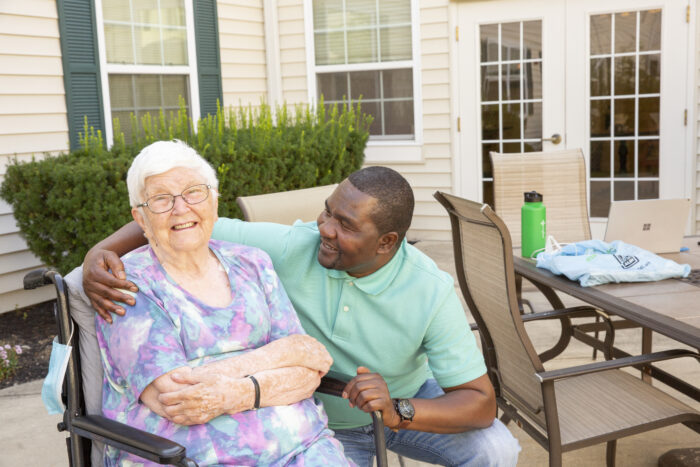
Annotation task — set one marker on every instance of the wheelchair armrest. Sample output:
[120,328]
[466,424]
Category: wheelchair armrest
[135,441]
[333,384]
[38,278]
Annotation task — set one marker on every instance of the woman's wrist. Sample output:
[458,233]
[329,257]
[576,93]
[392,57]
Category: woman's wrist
[241,395]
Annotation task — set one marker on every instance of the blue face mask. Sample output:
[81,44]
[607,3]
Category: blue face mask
[51,390]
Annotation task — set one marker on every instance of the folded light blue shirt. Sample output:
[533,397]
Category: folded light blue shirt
[396,321]
[594,262]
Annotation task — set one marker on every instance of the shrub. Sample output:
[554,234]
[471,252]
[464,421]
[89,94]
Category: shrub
[66,204]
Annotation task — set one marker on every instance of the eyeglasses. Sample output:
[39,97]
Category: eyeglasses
[159,204]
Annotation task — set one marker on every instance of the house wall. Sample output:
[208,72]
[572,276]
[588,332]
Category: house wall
[32,121]
[436,171]
[292,41]
[242,42]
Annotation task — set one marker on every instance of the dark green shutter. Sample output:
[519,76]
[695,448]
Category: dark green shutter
[81,66]
[206,31]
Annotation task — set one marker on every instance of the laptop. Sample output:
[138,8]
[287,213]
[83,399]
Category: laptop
[656,225]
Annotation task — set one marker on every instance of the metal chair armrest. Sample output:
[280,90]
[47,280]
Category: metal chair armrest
[635,360]
[133,440]
[573,312]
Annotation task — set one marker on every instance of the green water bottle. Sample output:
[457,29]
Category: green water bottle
[533,224]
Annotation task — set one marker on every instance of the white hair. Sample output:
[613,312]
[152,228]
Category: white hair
[160,157]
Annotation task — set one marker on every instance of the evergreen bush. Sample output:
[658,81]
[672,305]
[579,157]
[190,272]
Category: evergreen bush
[65,204]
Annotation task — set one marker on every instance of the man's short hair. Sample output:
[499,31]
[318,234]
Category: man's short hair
[394,195]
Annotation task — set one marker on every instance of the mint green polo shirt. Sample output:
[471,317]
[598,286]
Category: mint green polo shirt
[397,321]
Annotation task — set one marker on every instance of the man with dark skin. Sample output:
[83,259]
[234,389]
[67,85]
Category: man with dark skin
[376,303]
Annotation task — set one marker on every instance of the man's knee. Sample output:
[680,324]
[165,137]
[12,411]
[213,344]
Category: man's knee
[503,447]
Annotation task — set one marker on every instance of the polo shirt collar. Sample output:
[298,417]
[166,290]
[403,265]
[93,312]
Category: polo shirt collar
[380,279]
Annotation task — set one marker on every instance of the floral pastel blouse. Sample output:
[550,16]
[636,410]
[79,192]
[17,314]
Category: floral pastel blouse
[168,328]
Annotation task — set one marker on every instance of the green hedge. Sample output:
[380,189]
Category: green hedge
[65,204]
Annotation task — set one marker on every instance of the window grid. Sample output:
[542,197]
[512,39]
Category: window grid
[377,27]
[612,138]
[135,69]
[132,28]
[378,65]
[138,109]
[522,101]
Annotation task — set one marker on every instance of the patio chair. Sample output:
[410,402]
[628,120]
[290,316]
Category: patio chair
[563,409]
[82,387]
[560,176]
[285,207]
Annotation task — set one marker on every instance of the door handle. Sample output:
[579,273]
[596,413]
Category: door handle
[555,139]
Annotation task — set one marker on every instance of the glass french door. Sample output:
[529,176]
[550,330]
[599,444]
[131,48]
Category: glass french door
[517,107]
[602,75]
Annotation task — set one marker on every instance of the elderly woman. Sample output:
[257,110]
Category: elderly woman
[212,335]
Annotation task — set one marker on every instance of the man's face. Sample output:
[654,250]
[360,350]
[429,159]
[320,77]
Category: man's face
[349,239]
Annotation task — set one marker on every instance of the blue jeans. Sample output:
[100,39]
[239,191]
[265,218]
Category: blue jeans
[492,446]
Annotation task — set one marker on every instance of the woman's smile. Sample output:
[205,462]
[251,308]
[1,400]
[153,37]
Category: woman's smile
[186,225]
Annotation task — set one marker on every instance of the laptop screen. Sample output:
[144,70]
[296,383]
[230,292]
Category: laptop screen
[657,225]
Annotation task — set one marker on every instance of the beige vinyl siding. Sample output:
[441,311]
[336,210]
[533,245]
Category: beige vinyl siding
[292,42]
[242,42]
[32,122]
[435,173]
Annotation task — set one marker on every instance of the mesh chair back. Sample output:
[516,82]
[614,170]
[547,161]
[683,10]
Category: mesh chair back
[559,176]
[285,207]
[484,262]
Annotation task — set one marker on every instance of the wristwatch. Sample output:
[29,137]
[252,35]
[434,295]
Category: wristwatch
[406,412]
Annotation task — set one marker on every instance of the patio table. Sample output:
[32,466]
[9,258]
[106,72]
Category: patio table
[670,307]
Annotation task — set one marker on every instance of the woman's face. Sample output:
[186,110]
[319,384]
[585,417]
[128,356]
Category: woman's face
[185,227]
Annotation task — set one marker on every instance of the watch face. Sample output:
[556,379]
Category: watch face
[406,409]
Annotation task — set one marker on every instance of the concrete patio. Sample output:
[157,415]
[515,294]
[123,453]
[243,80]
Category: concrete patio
[28,435]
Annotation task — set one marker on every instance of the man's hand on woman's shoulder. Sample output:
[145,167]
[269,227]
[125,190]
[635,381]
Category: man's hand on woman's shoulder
[103,274]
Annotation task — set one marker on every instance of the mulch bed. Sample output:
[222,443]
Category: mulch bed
[33,328]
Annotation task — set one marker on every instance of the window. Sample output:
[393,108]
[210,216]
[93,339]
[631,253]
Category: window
[625,80]
[511,92]
[124,56]
[364,51]
[147,59]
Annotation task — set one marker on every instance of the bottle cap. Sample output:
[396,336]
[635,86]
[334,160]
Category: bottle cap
[532,197]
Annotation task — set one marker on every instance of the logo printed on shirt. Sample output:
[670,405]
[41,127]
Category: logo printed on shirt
[626,261]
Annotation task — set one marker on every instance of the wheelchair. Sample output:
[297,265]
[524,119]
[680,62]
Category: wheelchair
[88,430]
